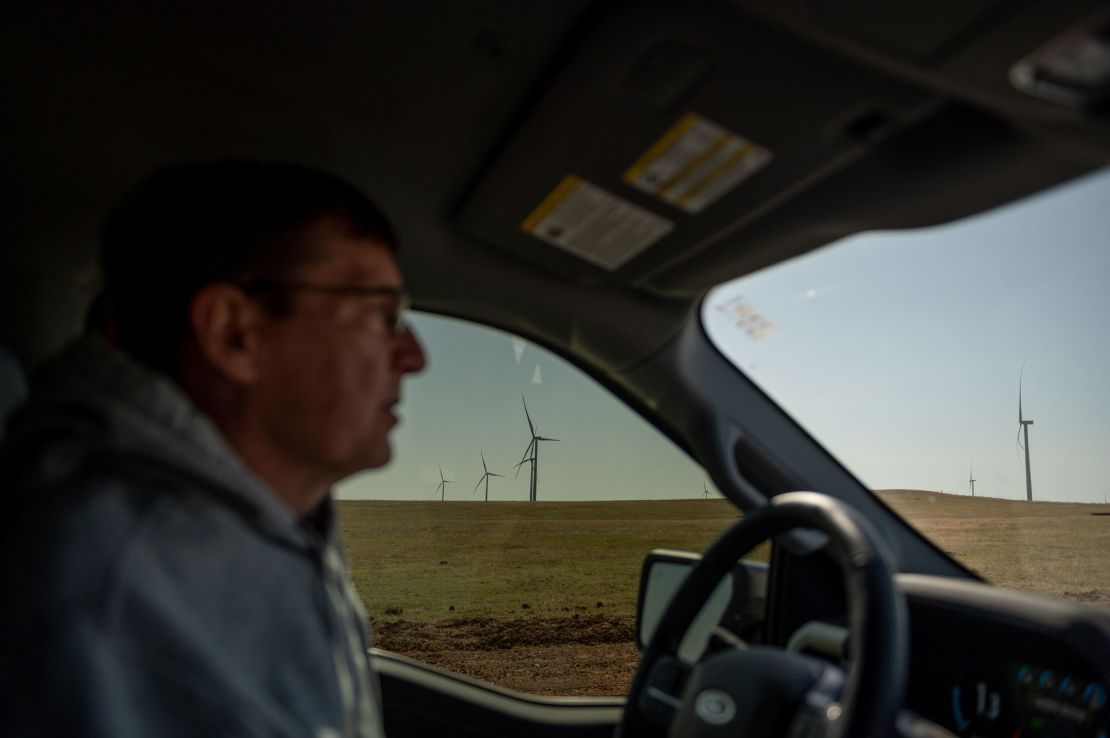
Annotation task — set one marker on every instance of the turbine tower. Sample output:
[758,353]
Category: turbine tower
[1023,428]
[442,486]
[534,450]
[485,477]
[971,479]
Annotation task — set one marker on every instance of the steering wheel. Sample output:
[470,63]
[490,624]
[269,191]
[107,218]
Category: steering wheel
[752,692]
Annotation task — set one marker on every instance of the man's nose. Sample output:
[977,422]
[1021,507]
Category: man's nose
[409,357]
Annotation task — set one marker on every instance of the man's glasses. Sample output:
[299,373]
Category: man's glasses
[394,313]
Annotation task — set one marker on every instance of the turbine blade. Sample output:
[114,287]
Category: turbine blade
[483,461]
[531,427]
[523,458]
[541,438]
[476,486]
[527,450]
[496,475]
[441,474]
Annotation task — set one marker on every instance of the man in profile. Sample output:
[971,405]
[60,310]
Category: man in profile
[170,560]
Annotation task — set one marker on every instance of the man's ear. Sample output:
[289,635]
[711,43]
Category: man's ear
[225,326]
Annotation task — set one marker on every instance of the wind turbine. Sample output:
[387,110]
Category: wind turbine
[442,486]
[1023,427]
[706,490]
[971,479]
[534,450]
[485,477]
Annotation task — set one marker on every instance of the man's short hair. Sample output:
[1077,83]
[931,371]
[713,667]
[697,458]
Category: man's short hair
[189,226]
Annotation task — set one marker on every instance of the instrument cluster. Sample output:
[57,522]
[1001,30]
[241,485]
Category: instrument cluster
[1014,699]
[982,673]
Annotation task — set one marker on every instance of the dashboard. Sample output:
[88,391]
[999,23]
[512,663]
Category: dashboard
[992,663]
[986,662]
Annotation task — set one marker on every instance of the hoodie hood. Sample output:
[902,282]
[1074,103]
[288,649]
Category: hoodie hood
[93,402]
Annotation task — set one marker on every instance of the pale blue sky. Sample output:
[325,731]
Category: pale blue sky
[899,351]
[469,400]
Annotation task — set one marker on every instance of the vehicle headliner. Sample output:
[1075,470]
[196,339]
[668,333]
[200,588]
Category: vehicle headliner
[459,117]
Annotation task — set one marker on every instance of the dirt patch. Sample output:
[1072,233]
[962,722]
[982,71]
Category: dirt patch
[1092,596]
[592,654]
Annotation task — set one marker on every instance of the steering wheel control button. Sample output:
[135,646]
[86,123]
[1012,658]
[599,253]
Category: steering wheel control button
[715,707]
[668,678]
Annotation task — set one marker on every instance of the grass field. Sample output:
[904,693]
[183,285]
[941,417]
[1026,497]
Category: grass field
[1057,548]
[436,560]
[428,561]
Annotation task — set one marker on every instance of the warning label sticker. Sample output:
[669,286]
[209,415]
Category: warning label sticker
[594,223]
[695,163]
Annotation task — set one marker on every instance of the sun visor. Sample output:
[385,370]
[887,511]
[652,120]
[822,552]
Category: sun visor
[665,127]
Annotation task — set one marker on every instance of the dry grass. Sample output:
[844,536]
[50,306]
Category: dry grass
[434,560]
[428,561]
[448,582]
[1060,549]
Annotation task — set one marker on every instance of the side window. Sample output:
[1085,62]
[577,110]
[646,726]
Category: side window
[508,552]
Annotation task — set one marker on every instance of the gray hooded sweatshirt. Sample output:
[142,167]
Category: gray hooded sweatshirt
[152,585]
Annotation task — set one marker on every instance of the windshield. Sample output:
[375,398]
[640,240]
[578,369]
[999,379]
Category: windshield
[960,372]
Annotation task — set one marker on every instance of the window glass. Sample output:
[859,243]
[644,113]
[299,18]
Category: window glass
[903,353]
[538,596]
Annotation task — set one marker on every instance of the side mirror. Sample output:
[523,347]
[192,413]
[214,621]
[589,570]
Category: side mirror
[738,602]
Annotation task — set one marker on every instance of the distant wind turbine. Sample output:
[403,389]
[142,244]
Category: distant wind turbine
[534,450]
[485,477]
[1023,427]
[442,486]
[706,489]
[971,479]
